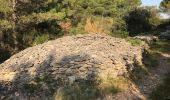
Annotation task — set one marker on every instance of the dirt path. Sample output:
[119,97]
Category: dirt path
[142,89]
[156,77]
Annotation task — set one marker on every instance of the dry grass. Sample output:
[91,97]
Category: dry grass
[120,83]
[94,26]
[65,26]
[92,90]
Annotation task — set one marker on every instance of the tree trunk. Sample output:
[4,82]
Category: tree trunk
[14,19]
[1,39]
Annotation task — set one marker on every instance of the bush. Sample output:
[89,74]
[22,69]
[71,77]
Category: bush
[135,42]
[78,29]
[41,39]
[92,90]
[120,34]
[142,20]
[26,39]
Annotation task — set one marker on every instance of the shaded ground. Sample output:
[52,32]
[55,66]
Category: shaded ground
[162,92]
[154,86]
[155,77]
[153,83]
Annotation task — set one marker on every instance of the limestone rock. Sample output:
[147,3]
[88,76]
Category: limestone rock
[165,35]
[67,60]
[147,38]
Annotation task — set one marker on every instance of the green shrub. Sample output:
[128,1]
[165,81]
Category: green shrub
[135,42]
[76,30]
[142,19]
[162,46]
[120,34]
[90,90]
[26,39]
[41,39]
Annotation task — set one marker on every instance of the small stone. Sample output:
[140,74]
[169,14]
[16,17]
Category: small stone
[2,97]
[72,62]
[71,79]
[16,94]
[82,69]
[69,71]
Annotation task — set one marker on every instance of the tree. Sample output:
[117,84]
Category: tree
[31,18]
[142,19]
[21,16]
[102,10]
[165,6]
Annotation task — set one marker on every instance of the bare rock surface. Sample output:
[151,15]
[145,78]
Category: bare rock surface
[147,38]
[68,60]
[165,35]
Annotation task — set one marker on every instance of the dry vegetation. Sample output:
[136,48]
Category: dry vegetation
[92,26]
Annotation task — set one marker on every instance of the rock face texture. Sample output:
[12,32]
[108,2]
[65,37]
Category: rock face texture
[165,35]
[147,38]
[69,59]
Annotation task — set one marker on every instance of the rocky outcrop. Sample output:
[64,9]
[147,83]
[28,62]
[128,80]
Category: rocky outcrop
[69,59]
[147,38]
[165,35]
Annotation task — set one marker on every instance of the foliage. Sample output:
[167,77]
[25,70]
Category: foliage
[4,6]
[65,26]
[27,38]
[161,46]
[41,39]
[135,42]
[164,24]
[120,34]
[4,24]
[22,21]
[41,17]
[142,20]
[77,30]
[91,90]
[165,6]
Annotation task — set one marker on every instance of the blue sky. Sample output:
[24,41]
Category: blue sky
[151,2]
